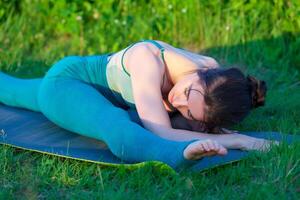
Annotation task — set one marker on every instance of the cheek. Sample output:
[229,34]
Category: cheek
[197,106]
[183,112]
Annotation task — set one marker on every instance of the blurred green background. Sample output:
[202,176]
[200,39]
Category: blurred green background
[265,32]
[260,37]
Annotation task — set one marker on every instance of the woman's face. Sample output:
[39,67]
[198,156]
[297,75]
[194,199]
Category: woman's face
[186,97]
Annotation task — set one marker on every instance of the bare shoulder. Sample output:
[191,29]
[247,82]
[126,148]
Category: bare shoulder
[143,54]
[146,71]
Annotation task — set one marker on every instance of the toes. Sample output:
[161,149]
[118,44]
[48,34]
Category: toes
[216,146]
[201,148]
[205,145]
[206,148]
[222,150]
[210,145]
[219,148]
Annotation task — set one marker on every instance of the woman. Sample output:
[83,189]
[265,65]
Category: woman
[90,95]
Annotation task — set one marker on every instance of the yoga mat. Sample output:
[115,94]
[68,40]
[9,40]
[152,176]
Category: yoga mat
[32,131]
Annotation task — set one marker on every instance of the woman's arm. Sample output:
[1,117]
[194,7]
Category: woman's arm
[236,141]
[230,141]
[202,61]
[180,122]
[146,71]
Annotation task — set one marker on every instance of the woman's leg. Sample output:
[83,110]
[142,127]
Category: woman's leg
[80,108]
[19,92]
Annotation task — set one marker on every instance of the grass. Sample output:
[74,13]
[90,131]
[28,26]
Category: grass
[261,37]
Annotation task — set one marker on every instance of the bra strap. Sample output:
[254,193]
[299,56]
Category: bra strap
[161,48]
[123,58]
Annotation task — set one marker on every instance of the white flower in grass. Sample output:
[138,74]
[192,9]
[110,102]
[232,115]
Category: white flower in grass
[78,18]
[124,22]
[227,28]
[183,10]
[116,21]
[170,6]
[38,35]
[95,15]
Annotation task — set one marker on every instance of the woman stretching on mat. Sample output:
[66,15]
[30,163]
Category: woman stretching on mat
[180,97]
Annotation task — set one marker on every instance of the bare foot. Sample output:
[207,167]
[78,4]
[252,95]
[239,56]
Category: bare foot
[201,148]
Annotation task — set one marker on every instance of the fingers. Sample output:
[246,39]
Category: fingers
[265,145]
[270,143]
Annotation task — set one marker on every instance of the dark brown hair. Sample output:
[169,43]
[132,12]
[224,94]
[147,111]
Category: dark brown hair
[229,95]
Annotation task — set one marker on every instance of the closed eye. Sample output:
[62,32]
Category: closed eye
[187,94]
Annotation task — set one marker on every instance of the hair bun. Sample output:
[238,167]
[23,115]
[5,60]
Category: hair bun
[258,91]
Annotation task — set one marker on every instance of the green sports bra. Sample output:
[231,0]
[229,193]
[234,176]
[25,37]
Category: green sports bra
[161,48]
[118,78]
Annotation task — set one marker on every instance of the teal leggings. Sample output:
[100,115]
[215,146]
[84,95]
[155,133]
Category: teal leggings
[74,95]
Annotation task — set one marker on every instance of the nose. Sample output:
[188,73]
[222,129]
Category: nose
[179,102]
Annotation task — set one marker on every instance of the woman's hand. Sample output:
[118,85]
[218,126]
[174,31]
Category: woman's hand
[251,143]
[248,143]
[230,139]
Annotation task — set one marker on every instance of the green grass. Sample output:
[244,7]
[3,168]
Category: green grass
[261,37]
